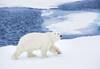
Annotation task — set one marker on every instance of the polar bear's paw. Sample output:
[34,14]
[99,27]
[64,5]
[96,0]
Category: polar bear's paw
[29,54]
[14,57]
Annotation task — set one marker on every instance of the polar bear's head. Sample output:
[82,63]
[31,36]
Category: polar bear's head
[54,36]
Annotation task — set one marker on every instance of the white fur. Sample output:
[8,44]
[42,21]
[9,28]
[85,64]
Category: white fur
[33,41]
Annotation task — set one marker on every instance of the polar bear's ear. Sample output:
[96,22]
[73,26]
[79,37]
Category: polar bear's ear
[56,33]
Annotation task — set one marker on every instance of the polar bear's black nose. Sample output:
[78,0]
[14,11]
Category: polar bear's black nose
[60,35]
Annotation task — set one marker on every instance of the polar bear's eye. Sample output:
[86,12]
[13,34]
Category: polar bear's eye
[61,36]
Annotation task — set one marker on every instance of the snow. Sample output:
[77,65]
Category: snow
[78,53]
[74,22]
[33,3]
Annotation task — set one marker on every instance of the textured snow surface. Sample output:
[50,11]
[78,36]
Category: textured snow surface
[78,53]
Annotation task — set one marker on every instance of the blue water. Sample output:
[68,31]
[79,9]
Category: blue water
[16,22]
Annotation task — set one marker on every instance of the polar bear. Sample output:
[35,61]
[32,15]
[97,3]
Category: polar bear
[34,41]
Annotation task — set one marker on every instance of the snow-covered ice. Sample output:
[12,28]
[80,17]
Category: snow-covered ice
[78,53]
[74,22]
[33,3]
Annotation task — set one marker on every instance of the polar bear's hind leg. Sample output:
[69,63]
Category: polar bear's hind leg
[16,55]
[30,54]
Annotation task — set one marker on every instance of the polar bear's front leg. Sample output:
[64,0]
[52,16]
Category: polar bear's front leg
[55,50]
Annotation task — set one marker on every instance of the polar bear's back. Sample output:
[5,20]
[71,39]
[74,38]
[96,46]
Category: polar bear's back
[34,36]
[34,40]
